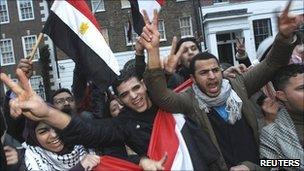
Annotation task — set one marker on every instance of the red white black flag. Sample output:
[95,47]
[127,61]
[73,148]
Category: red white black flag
[73,28]
[137,6]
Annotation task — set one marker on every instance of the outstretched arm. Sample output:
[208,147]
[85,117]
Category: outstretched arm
[278,56]
[31,105]
[154,76]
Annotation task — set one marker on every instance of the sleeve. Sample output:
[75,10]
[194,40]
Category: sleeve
[140,65]
[243,59]
[162,96]
[278,56]
[100,133]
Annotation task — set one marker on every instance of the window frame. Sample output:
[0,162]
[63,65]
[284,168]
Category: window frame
[191,27]
[101,5]
[164,30]
[20,14]
[125,7]
[24,49]
[13,53]
[34,88]
[7,11]
[256,44]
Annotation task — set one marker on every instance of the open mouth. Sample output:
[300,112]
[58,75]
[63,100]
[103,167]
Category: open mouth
[213,87]
[56,141]
[138,102]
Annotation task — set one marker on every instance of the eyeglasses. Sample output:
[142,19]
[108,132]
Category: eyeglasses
[213,70]
[63,100]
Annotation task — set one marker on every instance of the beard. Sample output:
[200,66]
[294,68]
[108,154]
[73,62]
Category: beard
[67,110]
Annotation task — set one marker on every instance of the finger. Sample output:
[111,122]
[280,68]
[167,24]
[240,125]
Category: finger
[11,84]
[145,17]
[238,40]
[243,67]
[155,18]
[180,51]
[145,36]
[286,10]
[7,148]
[173,45]
[23,80]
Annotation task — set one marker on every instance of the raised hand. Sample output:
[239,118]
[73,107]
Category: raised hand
[289,23]
[240,46]
[26,66]
[27,101]
[233,71]
[150,35]
[173,60]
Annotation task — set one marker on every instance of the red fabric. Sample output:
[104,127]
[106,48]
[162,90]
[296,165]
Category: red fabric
[83,7]
[163,139]
[161,2]
[113,163]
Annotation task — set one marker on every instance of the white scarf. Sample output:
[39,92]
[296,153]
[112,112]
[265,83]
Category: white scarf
[227,96]
[37,158]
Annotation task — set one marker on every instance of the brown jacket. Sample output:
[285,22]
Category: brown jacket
[244,85]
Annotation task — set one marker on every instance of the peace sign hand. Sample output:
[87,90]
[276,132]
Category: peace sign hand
[150,35]
[240,46]
[27,101]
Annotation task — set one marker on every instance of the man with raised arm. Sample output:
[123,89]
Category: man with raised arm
[221,106]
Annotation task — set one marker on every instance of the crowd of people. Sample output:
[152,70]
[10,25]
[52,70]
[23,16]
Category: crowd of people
[238,114]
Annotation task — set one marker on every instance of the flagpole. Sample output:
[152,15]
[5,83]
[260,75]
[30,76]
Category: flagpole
[34,49]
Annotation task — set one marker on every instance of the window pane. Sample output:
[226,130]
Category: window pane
[3,11]
[125,4]
[26,9]
[37,85]
[7,52]
[97,5]
[28,43]
[185,26]
[262,30]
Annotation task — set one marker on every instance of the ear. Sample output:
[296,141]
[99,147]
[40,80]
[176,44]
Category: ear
[281,95]
[143,83]
[192,77]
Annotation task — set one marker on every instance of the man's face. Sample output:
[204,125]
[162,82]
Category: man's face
[133,93]
[208,77]
[189,50]
[64,102]
[293,94]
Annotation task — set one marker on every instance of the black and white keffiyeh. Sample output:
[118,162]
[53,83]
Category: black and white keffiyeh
[227,97]
[37,158]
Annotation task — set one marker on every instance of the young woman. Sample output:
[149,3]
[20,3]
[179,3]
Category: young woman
[45,151]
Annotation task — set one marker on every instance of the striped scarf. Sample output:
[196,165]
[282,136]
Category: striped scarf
[279,140]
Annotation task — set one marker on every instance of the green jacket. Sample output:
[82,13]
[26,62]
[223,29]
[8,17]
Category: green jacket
[244,85]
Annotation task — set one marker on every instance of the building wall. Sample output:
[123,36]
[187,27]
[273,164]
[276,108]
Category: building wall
[114,18]
[15,29]
[256,10]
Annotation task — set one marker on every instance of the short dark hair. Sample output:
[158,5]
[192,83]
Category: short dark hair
[201,56]
[283,75]
[187,39]
[61,90]
[125,75]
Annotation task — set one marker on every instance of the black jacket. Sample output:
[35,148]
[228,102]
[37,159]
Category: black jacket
[133,129]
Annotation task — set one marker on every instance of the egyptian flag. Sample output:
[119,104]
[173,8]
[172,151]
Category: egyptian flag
[73,28]
[187,146]
[137,6]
